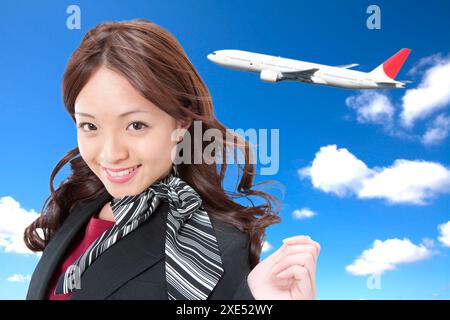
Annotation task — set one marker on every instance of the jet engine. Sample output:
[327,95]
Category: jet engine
[269,76]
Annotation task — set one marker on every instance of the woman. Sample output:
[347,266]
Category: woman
[132,221]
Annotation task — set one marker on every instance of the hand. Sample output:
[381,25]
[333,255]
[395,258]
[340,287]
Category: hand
[289,273]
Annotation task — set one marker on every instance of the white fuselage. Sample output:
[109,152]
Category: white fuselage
[325,75]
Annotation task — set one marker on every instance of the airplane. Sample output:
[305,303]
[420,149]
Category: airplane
[274,69]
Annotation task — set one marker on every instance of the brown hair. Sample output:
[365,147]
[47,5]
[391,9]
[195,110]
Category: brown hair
[155,64]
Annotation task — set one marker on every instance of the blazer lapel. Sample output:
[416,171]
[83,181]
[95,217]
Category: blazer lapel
[133,254]
[59,244]
[138,251]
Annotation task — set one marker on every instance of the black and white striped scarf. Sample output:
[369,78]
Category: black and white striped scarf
[193,263]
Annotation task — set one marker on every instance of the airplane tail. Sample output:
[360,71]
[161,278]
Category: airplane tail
[391,67]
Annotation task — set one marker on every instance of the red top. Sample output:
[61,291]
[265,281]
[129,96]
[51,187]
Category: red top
[94,229]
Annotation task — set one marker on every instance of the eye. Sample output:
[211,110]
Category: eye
[86,126]
[137,125]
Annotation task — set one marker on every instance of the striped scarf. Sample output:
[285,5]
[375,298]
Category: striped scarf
[192,257]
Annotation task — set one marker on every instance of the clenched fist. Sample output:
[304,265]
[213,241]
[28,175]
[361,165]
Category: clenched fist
[289,273]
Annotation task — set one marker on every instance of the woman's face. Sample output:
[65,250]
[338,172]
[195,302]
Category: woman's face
[124,138]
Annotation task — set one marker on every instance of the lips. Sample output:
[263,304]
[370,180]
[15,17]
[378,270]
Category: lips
[120,169]
[120,172]
[120,175]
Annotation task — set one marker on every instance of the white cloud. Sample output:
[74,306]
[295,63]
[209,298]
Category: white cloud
[444,236]
[437,131]
[371,107]
[432,93]
[422,102]
[421,65]
[386,255]
[266,246]
[19,278]
[336,171]
[303,213]
[406,181]
[13,221]
[3,242]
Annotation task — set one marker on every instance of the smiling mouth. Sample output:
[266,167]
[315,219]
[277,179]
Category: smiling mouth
[121,175]
[120,172]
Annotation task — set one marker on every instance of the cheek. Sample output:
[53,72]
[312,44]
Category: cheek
[155,149]
[88,149]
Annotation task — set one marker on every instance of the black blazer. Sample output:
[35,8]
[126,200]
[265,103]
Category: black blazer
[134,267]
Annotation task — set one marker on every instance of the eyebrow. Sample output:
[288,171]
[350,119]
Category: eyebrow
[120,116]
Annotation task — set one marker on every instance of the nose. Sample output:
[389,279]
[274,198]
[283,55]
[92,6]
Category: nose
[113,150]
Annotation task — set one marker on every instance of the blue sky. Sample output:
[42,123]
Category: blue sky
[379,189]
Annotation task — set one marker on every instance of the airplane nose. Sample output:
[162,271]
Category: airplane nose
[212,57]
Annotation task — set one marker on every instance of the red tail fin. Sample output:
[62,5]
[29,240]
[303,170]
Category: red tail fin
[392,66]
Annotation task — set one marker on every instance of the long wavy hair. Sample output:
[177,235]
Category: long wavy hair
[155,64]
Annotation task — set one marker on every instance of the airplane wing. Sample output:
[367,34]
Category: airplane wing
[302,75]
[348,66]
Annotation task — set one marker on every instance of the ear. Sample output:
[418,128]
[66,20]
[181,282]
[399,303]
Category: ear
[183,125]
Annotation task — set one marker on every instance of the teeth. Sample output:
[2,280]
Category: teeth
[121,173]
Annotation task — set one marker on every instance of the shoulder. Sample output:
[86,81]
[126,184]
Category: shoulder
[228,235]
[234,246]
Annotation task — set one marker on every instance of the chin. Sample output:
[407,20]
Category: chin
[120,192]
